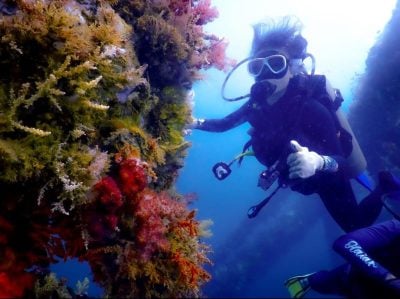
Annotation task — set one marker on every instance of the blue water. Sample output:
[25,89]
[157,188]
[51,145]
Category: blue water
[75,271]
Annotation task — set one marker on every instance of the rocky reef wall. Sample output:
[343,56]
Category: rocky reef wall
[94,98]
[375,114]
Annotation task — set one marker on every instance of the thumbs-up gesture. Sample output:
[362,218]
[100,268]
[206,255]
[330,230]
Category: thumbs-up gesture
[303,163]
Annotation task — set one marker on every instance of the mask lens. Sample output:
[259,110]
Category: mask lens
[255,66]
[269,66]
[276,63]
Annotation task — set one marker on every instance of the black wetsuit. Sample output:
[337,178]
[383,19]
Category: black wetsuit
[372,253]
[303,113]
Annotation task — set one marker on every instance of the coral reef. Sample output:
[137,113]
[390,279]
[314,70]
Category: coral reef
[92,113]
[374,116]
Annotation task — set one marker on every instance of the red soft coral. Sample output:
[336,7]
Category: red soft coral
[5,230]
[13,285]
[101,225]
[132,176]
[13,278]
[109,194]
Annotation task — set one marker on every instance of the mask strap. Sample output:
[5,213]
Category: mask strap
[297,65]
[312,61]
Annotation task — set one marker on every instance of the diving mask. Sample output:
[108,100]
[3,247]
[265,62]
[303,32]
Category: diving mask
[272,66]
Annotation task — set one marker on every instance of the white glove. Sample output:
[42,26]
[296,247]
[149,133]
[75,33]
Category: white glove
[196,122]
[303,163]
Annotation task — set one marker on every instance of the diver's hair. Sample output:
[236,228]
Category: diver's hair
[284,33]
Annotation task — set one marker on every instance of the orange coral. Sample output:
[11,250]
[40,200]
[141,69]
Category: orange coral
[189,224]
[190,273]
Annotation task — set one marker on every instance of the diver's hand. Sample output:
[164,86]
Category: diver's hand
[303,163]
[187,132]
[195,123]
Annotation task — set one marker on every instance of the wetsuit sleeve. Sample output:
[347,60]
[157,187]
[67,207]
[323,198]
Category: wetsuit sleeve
[356,247]
[230,121]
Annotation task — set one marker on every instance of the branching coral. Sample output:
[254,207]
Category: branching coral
[92,112]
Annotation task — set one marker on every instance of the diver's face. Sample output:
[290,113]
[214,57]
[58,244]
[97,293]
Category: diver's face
[273,66]
[281,86]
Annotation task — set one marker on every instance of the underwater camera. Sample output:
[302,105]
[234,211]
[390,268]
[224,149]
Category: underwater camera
[277,171]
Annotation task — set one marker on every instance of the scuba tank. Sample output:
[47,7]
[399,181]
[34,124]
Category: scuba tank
[356,161]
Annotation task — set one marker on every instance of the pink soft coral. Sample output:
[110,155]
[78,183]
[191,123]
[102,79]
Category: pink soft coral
[150,211]
[217,55]
[179,7]
[204,12]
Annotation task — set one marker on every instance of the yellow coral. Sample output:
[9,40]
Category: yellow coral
[84,87]
[7,148]
[204,228]
[152,272]
[96,106]
[34,131]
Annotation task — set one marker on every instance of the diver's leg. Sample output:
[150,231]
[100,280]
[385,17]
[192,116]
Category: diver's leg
[338,198]
[371,206]
[388,182]
[334,282]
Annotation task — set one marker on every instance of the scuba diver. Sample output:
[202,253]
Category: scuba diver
[373,262]
[297,130]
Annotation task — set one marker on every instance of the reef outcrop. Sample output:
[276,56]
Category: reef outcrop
[93,105]
[375,113]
